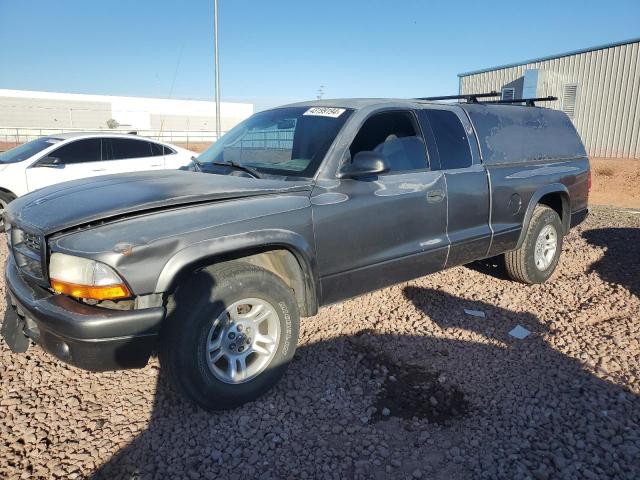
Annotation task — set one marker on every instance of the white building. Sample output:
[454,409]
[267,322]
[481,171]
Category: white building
[26,111]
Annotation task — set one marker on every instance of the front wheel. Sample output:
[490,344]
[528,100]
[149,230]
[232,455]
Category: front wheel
[231,331]
[537,258]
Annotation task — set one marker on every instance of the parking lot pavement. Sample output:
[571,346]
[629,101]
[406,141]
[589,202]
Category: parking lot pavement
[401,383]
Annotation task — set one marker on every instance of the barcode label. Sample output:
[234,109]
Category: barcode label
[325,112]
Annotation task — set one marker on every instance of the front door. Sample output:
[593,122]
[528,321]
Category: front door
[377,231]
[77,159]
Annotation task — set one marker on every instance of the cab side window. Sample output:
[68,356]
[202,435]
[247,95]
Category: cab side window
[396,137]
[450,139]
[80,151]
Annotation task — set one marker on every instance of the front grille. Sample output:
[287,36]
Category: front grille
[27,251]
[31,241]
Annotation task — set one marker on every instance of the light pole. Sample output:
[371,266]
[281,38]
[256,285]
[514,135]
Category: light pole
[217,66]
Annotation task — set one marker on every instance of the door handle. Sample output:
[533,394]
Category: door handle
[99,170]
[156,164]
[435,196]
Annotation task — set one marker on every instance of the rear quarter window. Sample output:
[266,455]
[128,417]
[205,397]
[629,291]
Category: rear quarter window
[157,149]
[450,139]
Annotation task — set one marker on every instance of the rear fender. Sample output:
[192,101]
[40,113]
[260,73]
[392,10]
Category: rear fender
[535,199]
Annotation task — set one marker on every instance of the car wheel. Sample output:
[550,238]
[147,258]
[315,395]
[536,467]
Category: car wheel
[5,199]
[230,333]
[537,258]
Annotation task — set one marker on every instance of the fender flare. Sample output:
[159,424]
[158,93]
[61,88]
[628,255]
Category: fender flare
[535,199]
[202,253]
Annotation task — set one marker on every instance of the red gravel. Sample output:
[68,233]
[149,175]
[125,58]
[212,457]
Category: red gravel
[400,383]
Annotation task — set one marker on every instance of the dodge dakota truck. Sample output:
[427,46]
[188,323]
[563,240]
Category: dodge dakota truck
[296,207]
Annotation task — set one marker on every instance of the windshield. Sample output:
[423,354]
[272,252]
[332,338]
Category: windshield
[288,141]
[26,150]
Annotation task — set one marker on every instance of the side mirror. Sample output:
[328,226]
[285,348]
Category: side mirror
[364,164]
[52,162]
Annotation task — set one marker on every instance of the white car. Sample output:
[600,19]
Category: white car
[69,156]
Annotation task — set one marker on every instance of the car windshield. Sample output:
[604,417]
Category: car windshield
[290,141]
[26,150]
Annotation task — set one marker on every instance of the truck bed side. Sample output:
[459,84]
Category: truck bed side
[532,155]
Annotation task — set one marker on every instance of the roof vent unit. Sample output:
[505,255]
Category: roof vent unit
[508,93]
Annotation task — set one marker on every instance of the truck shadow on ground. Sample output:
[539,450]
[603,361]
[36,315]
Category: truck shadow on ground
[457,397]
[620,263]
[493,266]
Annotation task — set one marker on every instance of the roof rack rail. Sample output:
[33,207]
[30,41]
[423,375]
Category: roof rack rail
[473,98]
[530,102]
[469,97]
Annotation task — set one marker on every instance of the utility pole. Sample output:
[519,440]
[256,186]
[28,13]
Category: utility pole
[217,66]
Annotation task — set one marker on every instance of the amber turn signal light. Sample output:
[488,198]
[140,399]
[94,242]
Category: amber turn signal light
[103,292]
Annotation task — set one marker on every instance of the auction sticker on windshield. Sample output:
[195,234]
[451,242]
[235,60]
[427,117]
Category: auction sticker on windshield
[325,112]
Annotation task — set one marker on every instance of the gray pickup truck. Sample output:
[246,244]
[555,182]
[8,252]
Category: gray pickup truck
[295,208]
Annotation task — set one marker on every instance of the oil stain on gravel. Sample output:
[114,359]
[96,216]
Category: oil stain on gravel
[409,391]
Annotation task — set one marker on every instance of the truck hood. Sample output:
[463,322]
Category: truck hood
[79,202]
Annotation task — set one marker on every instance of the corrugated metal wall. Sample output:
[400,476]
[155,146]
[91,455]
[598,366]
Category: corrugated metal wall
[607,114]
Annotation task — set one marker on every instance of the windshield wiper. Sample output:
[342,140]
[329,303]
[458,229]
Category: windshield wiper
[197,163]
[251,171]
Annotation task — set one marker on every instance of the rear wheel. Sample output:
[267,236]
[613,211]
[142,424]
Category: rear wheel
[537,258]
[231,331]
[5,199]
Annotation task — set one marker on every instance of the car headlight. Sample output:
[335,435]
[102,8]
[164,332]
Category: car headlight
[84,278]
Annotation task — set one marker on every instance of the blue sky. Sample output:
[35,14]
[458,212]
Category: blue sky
[272,52]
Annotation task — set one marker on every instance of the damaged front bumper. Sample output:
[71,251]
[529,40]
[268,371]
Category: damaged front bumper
[88,337]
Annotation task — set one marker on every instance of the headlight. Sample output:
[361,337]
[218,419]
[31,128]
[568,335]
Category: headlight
[84,278]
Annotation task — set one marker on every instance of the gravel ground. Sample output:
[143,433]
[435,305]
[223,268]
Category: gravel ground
[400,383]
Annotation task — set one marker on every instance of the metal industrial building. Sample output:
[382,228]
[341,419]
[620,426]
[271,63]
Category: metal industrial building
[598,88]
[31,113]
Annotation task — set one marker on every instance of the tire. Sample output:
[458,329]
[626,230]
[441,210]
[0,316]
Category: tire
[189,329]
[5,199]
[521,264]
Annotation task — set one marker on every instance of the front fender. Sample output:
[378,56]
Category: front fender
[535,199]
[205,252]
